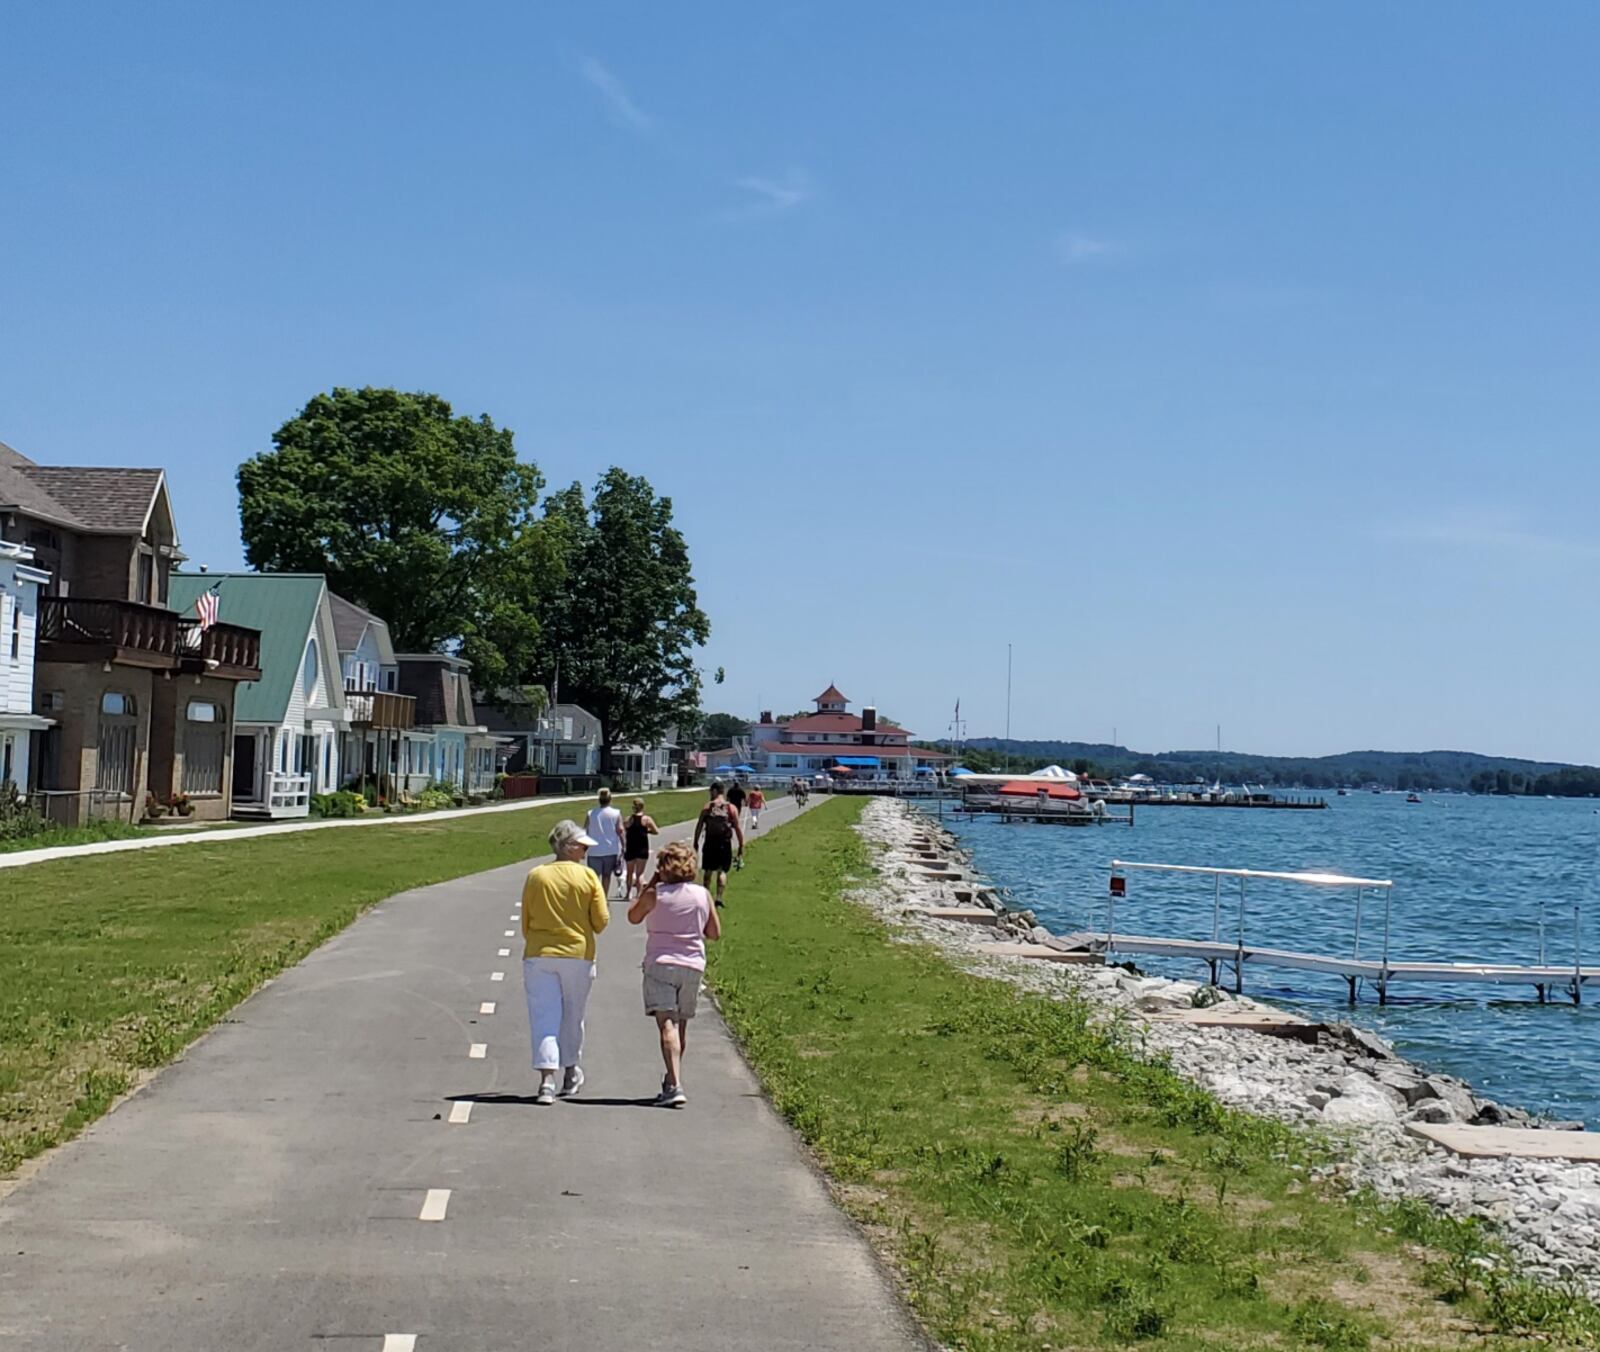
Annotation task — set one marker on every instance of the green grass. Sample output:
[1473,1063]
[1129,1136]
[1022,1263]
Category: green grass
[110,965]
[72,835]
[1037,1183]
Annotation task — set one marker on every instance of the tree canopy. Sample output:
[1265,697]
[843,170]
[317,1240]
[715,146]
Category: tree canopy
[622,624]
[425,518]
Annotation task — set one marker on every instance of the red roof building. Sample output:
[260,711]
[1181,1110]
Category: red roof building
[864,744]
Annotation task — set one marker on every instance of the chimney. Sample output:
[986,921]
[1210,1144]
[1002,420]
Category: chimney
[869,719]
[766,716]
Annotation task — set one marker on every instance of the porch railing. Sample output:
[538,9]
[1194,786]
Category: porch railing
[288,794]
[124,625]
[380,709]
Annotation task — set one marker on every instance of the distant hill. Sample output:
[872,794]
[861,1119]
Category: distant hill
[1461,770]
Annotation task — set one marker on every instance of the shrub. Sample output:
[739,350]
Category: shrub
[345,803]
[19,819]
[430,799]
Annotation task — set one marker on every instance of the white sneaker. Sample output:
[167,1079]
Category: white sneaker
[546,1095]
[572,1082]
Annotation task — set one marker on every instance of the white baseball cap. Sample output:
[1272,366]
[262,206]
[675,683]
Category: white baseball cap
[567,833]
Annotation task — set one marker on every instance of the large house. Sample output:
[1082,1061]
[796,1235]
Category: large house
[138,694]
[562,741]
[289,723]
[382,718]
[833,737]
[447,745]
[20,726]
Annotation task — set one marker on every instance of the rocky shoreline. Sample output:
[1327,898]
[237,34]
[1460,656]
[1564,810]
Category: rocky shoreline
[1347,1081]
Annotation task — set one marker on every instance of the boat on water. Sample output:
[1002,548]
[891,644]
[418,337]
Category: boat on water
[1343,793]
[1412,798]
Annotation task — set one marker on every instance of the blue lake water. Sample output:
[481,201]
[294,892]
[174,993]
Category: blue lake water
[1469,874]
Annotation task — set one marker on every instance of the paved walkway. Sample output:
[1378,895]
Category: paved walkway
[269,1191]
[19,858]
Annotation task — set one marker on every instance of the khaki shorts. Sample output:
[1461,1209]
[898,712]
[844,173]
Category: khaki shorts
[670,988]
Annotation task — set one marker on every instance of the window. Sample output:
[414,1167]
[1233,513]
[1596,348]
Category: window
[119,736]
[5,761]
[308,673]
[327,760]
[53,701]
[204,734]
[389,678]
[147,578]
[16,633]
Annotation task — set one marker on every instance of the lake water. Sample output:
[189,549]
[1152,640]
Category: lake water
[1469,874]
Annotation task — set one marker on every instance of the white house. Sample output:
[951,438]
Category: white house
[19,622]
[288,726]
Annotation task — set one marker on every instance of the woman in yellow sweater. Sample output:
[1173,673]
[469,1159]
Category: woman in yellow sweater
[563,908]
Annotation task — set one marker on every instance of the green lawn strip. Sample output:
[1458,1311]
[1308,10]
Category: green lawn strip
[111,964]
[1035,1181]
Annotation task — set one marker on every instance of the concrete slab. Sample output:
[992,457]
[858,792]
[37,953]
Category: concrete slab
[971,915]
[1251,1020]
[1505,1142]
[1042,952]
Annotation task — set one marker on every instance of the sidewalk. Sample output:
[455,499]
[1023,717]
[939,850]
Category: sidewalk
[19,858]
[268,1191]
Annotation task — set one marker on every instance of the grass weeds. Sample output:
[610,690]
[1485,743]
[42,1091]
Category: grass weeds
[1038,1182]
[110,965]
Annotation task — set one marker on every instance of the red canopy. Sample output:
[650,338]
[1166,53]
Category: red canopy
[1032,788]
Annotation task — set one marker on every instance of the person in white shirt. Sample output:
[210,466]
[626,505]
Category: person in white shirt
[604,824]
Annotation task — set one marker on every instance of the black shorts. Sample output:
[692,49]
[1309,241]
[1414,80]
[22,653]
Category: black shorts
[636,856]
[716,856]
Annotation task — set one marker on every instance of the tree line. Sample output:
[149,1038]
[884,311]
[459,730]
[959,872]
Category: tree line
[1462,771]
[430,520]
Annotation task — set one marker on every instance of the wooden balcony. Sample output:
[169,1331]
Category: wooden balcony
[82,629]
[381,710]
[87,629]
[228,650]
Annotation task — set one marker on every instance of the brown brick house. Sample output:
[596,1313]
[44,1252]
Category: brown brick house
[141,698]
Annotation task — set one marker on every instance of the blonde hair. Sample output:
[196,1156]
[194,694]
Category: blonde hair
[676,863]
[638,804]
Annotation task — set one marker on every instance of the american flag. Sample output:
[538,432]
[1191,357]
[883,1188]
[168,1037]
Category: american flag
[206,608]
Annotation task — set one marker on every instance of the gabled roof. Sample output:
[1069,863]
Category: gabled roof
[438,682]
[350,624]
[283,606]
[101,499]
[832,695]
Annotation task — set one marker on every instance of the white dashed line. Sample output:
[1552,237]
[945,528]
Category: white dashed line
[503,953]
[497,976]
[434,1204]
[399,1342]
[460,1113]
[478,1050]
[487,1007]
[511,934]
[512,916]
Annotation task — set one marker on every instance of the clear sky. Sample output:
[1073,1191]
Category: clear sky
[1235,362]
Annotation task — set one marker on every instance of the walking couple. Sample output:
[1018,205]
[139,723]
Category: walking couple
[563,909]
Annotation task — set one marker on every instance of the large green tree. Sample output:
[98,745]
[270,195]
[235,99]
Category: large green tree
[426,518]
[622,625]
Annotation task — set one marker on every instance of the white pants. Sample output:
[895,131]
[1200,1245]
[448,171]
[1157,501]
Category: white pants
[557,991]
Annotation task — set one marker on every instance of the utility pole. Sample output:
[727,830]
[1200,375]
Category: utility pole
[1008,708]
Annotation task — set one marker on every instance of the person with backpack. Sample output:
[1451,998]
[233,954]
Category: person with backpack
[714,835]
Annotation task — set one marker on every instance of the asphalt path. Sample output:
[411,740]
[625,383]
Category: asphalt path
[269,1191]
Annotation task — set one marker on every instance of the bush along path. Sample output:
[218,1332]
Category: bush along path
[111,964]
[1037,1183]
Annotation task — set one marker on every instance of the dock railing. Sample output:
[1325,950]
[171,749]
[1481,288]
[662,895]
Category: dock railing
[1121,867]
[1382,972]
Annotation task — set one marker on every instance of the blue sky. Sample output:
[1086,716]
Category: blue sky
[1235,362]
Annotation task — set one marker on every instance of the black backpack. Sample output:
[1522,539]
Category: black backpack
[719,824]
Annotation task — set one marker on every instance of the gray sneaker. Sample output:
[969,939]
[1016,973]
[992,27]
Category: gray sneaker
[672,1096]
[546,1095]
[572,1082]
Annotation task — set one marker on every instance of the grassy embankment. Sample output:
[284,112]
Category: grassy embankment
[110,965]
[1037,1184]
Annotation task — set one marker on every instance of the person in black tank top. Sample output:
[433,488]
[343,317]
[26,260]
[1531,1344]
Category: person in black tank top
[636,833]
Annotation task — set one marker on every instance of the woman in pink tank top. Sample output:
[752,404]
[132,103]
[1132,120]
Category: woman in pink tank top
[678,917]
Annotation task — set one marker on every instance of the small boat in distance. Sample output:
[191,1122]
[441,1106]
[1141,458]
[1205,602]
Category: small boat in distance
[1342,792]
[1412,798]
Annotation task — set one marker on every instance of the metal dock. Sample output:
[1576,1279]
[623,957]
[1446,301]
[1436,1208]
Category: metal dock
[1237,952]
